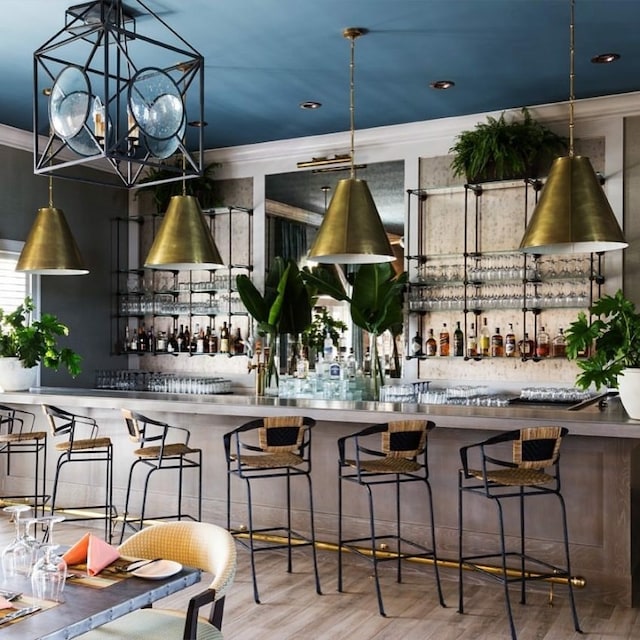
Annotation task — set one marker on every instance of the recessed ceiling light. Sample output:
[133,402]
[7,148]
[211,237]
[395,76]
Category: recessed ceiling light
[310,104]
[442,84]
[605,58]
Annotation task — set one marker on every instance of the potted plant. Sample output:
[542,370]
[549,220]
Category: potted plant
[203,188]
[284,308]
[611,338]
[501,149]
[24,345]
[375,303]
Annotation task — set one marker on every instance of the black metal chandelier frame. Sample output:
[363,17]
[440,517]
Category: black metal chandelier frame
[103,40]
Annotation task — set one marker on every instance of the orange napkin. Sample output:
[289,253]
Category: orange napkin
[95,552]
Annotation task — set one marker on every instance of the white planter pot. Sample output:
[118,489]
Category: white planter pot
[629,388]
[14,377]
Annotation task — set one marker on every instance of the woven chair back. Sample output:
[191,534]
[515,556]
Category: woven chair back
[537,447]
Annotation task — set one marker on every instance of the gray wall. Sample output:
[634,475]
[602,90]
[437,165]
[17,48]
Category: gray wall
[81,302]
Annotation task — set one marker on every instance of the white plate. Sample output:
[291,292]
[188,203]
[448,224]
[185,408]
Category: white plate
[158,570]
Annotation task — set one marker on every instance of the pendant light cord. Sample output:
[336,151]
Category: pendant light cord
[352,105]
[572,74]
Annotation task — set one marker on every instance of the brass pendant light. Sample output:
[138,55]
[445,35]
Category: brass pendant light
[351,231]
[50,248]
[573,214]
[183,241]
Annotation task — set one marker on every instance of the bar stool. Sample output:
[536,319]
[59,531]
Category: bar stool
[400,458]
[82,444]
[279,447]
[18,437]
[532,470]
[163,447]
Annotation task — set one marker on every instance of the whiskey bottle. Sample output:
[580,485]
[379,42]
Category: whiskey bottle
[485,339]
[525,346]
[238,343]
[497,344]
[472,342]
[542,344]
[510,343]
[559,345]
[416,345]
[458,341]
[444,340]
[224,338]
[432,345]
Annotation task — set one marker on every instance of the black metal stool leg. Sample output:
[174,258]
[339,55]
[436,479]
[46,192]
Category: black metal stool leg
[256,596]
[460,530]
[505,578]
[436,569]
[340,551]
[374,551]
[399,560]
[289,560]
[314,550]
[523,581]
[565,531]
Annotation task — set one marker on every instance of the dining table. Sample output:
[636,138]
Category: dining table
[88,602]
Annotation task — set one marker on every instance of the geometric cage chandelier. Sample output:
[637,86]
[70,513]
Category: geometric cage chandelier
[108,97]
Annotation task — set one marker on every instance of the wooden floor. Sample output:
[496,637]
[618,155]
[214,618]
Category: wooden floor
[291,609]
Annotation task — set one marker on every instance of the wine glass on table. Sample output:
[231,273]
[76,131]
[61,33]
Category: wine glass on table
[17,556]
[50,571]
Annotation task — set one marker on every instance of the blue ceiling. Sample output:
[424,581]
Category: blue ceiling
[264,57]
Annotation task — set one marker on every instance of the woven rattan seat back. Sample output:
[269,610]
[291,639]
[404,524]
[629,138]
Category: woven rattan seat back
[281,434]
[537,447]
[136,433]
[60,422]
[405,438]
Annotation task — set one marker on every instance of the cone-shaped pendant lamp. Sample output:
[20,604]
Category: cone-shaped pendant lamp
[50,249]
[183,241]
[352,231]
[573,214]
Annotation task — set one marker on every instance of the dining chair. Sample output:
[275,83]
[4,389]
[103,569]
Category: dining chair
[18,436]
[532,469]
[392,455]
[79,440]
[202,545]
[272,448]
[161,447]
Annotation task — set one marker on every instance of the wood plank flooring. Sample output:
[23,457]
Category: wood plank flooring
[291,609]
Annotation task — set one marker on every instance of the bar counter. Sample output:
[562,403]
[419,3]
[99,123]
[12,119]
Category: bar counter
[600,471]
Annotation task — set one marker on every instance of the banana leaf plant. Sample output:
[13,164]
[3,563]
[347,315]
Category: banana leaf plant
[376,302]
[285,307]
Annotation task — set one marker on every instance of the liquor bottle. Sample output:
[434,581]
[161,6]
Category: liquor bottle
[161,341]
[559,345]
[133,345]
[327,349]
[207,339]
[126,344]
[238,343]
[186,343]
[497,344]
[213,342]
[302,365]
[351,365]
[223,343]
[542,344]
[416,345]
[525,346]
[472,342]
[485,339]
[366,365]
[458,341]
[142,339]
[199,340]
[151,340]
[432,345]
[172,343]
[510,343]
[444,340]
[180,339]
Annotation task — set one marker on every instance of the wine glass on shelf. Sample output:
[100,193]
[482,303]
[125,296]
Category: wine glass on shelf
[50,571]
[17,554]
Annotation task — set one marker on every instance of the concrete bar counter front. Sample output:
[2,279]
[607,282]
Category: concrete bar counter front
[600,471]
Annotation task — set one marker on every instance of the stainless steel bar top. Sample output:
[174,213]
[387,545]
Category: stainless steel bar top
[610,421]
